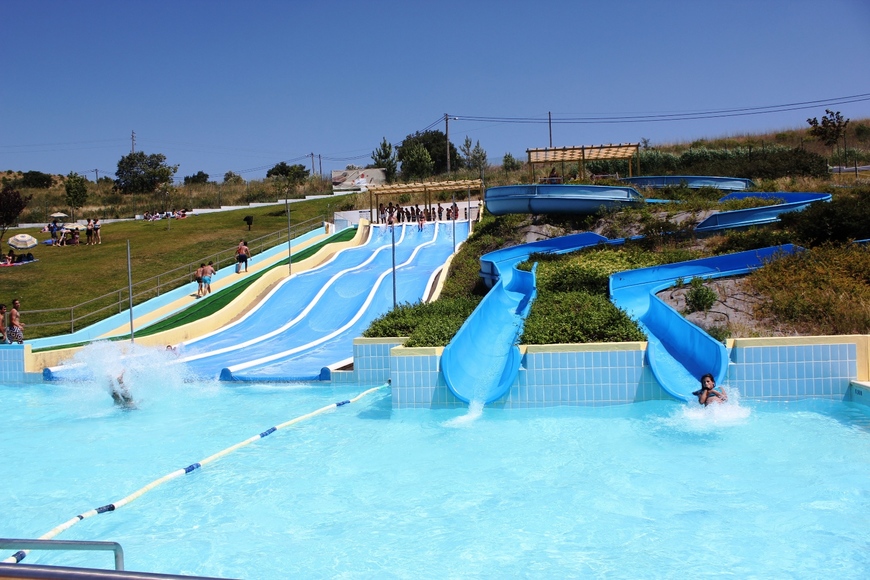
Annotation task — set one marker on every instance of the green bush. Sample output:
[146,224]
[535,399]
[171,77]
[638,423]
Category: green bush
[577,317]
[845,218]
[700,298]
[425,324]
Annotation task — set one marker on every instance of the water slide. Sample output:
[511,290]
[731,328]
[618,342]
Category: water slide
[482,360]
[690,181]
[326,335]
[308,320]
[678,351]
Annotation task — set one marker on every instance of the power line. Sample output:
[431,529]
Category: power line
[686,116]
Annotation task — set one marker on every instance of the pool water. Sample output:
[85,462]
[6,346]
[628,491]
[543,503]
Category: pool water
[653,489]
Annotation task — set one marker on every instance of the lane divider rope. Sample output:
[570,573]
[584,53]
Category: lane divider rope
[20,555]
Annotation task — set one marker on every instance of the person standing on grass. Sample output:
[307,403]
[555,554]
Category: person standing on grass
[89,231]
[15,332]
[97,238]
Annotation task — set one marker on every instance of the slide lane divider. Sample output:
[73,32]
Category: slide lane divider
[20,555]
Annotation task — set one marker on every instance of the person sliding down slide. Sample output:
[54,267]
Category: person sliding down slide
[708,393]
[121,394]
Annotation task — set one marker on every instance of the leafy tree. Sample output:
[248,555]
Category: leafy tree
[199,178]
[435,143]
[510,163]
[76,191]
[234,178]
[296,174]
[466,149]
[35,180]
[142,173]
[417,163]
[385,158]
[477,159]
[11,205]
[831,128]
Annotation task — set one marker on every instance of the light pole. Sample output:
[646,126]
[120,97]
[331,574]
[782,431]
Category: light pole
[447,119]
[289,237]
[393,230]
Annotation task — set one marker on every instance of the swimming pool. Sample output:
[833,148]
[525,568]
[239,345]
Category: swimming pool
[644,490]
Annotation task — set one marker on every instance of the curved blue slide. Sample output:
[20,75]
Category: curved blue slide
[678,351]
[690,181]
[482,361]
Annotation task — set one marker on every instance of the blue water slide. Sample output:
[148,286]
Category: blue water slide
[690,181]
[756,216]
[482,360]
[571,198]
[678,351]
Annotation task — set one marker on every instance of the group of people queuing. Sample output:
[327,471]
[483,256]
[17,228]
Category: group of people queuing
[412,213]
[178,214]
[67,235]
[14,332]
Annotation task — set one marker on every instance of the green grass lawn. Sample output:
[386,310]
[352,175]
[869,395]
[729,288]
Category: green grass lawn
[67,276]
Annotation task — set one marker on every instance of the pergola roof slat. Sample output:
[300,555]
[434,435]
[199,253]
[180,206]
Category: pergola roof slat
[583,153]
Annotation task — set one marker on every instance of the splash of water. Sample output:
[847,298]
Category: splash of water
[475,411]
[696,417]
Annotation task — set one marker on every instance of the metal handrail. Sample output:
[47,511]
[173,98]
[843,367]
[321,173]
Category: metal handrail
[155,285]
[74,545]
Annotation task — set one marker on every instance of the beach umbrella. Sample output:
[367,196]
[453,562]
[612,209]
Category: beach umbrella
[59,214]
[23,241]
[74,226]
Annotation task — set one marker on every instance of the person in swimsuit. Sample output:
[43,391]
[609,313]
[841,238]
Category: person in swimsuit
[3,339]
[207,273]
[15,332]
[121,394]
[199,274]
[97,237]
[709,393]
[89,231]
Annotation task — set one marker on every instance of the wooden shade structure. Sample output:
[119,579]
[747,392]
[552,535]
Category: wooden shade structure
[426,187]
[583,153]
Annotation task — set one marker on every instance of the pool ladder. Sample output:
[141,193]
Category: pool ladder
[32,572]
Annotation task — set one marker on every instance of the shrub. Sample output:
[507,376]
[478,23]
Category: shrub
[700,298]
[577,317]
[845,218]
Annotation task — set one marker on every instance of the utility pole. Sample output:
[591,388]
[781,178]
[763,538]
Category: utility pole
[447,135]
[320,162]
[132,141]
[550,123]
[312,164]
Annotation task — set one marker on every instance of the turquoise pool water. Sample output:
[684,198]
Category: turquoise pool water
[657,489]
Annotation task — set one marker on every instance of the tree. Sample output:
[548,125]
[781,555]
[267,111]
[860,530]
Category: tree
[510,163]
[35,180]
[11,205]
[435,142]
[829,131]
[76,191]
[296,174]
[141,173]
[385,158]
[477,158]
[234,178]
[199,178]
[417,163]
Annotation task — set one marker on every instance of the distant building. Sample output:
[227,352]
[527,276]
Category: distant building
[357,179]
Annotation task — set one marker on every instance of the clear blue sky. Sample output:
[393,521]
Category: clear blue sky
[238,86]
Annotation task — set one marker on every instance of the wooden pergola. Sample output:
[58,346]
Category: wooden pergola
[426,187]
[582,154]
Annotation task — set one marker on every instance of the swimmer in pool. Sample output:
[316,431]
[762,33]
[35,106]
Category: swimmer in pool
[708,393]
[121,394]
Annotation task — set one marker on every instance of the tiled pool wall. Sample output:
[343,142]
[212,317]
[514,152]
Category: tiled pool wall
[13,369]
[608,374]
